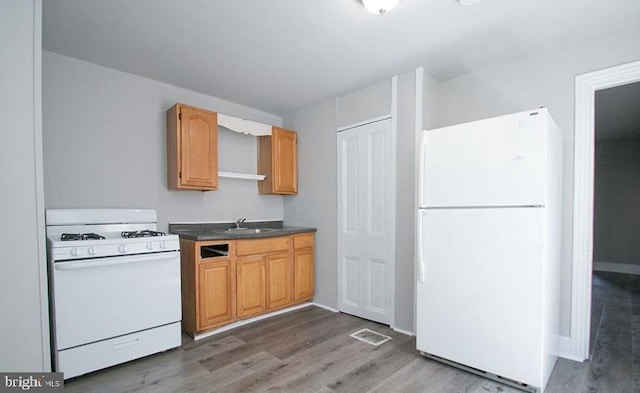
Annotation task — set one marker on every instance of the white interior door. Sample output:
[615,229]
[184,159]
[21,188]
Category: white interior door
[366,221]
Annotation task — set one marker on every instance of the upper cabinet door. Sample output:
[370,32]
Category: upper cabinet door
[278,161]
[192,147]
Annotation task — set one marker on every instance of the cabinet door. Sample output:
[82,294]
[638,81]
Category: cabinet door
[216,290]
[279,278]
[303,275]
[285,161]
[198,148]
[278,161]
[251,297]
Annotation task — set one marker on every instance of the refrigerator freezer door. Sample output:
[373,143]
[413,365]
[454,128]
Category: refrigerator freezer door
[480,302]
[493,162]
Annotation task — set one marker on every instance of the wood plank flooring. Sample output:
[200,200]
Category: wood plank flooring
[309,350]
[614,365]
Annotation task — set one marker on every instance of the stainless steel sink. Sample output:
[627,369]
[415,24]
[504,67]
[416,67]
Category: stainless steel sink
[250,230]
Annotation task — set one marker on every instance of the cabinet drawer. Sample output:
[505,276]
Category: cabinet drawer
[260,246]
[301,241]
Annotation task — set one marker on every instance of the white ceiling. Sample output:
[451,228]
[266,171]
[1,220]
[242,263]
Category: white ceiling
[281,55]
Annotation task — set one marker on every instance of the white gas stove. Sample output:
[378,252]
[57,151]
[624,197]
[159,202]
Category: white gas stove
[115,287]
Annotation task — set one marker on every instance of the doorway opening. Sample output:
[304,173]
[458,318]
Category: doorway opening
[616,251]
[583,199]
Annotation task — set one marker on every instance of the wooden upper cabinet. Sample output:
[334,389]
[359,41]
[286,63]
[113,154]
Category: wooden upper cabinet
[192,148]
[278,161]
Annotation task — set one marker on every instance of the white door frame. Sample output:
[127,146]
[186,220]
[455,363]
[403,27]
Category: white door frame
[584,148]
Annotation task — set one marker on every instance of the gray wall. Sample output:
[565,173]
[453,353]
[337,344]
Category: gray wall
[617,198]
[24,337]
[105,146]
[430,103]
[364,104]
[316,203]
[545,80]
[405,202]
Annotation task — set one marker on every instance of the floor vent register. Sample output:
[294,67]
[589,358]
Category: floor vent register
[370,337]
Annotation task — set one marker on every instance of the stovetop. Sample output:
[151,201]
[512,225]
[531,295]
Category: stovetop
[124,234]
[109,244]
[80,236]
[144,233]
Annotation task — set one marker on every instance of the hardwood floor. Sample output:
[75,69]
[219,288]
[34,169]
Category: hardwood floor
[614,365]
[309,350]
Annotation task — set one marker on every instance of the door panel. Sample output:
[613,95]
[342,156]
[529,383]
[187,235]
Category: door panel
[251,286]
[376,276]
[349,191]
[285,166]
[377,188]
[365,218]
[215,293]
[303,275]
[199,138]
[493,162]
[279,279]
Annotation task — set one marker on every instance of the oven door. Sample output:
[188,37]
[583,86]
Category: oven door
[97,299]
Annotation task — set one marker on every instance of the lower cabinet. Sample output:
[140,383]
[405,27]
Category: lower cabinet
[216,289]
[224,281]
[303,288]
[208,281]
[303,267]
[251,295]
[279,280]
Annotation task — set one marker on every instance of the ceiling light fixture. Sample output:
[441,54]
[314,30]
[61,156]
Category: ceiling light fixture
[469,2]
[380,7]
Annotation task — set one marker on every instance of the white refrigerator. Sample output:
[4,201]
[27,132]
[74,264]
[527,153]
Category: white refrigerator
[488,243]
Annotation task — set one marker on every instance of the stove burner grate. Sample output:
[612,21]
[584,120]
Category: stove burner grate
[145,233]
[80,236]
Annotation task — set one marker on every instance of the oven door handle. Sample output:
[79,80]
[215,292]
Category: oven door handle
[116,261]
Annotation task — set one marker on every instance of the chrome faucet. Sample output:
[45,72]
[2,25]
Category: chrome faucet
[239,222]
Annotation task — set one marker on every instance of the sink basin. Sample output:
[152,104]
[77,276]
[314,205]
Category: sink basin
[251,230]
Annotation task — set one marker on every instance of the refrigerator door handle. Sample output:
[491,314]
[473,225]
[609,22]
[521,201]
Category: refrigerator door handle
[421,267]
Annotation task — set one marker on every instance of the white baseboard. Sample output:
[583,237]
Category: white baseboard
[616,267]
[405,332]
[565,349]
[251,320]
[325,307]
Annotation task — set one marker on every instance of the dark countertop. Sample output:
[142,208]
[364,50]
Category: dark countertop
[219,231]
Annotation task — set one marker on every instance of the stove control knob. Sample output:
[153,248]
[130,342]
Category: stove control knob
[75,252]
[122,248]
[163,245]
[149,246]
[92,251]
